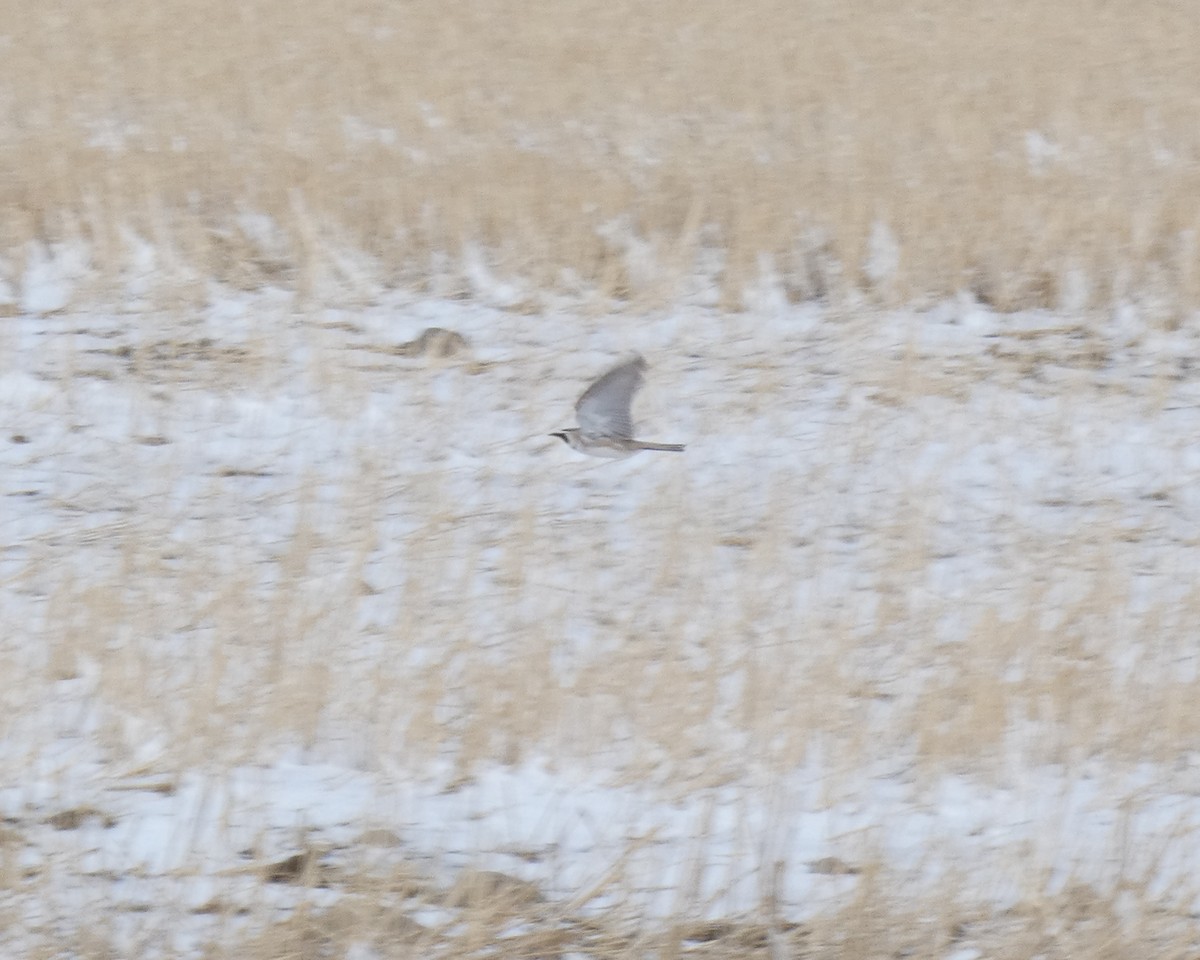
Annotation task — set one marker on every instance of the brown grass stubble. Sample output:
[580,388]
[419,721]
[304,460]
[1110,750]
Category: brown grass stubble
[650,699]
[226,689]
[405,132]
[1078,921]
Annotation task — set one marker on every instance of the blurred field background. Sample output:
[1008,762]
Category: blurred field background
[242,525]
[1030,154]
[903,594]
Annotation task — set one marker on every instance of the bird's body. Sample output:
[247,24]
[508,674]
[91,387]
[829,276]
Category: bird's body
[610,446]
[605,422]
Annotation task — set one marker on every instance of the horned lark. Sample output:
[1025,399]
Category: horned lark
[605,425]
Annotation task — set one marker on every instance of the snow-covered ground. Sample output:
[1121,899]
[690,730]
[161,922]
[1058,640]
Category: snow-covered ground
[918,602]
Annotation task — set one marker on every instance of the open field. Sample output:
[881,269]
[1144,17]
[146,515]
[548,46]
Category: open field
[1032,154]
[900,655]
[313,643]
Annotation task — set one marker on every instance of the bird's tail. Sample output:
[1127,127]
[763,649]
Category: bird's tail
[670,447]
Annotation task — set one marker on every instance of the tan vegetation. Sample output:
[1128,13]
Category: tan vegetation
[242,556]
[1033,154]
[241,546]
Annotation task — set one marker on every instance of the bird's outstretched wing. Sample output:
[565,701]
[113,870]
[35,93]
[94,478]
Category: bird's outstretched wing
[604,408]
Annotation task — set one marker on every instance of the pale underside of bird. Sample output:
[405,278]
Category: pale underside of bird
[605,421]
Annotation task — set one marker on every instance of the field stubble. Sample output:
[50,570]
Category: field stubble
[902,551]
[902,547]
[1033,155]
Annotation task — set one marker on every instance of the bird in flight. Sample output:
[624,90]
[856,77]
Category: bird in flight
[605,425]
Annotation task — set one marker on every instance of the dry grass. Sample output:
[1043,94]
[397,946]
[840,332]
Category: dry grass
[1031,153]
[1078,922]
[681,629]
[377,920]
